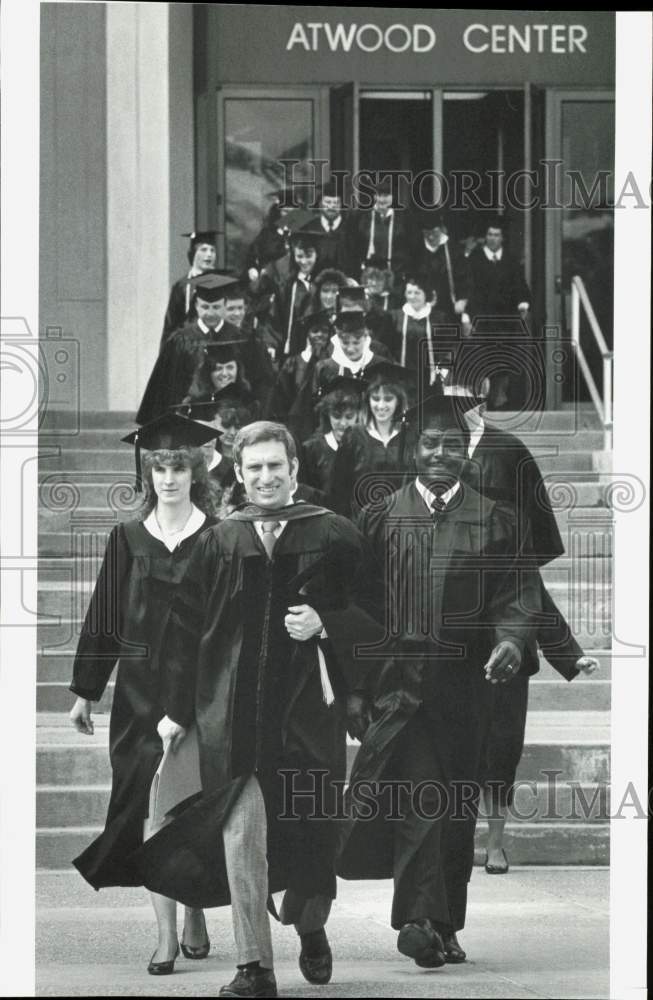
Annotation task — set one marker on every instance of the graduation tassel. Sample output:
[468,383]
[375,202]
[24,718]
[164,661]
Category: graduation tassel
[327,691]
[139,472]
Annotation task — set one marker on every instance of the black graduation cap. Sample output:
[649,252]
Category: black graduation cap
[308,236]
[320,320]
[330,189]
[200,236]
[388,371]
[213,286]
[377,262]
[445,407]
[222,351]
[297,218]
[351,321]
[490,220]
[383,184]
[234,395]
[355,294]
[201,410]
[343,383]
[168,432]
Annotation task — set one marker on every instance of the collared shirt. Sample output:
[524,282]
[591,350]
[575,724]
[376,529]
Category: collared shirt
[207,329]
[171,541]
[330,227]
[493,254]
[428,497]
[215,461]
[330,439]
[372,431]
[277,531]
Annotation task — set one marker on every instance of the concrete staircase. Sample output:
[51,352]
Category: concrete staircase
[86,486]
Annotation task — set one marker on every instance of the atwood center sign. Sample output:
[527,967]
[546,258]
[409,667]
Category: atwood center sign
[292,44]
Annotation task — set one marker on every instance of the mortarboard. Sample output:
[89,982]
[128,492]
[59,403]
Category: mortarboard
[320,320]
[342,383]
[431,218]
[377,262]
[447,409]
[351,321]
[168,432]
[201,410]
[222,351]
[296,219]
[389,372]
[357,295]
[212,286]
[234,395]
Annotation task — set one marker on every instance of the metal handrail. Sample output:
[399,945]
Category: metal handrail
[602,402]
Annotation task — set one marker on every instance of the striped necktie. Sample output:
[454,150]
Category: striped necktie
[269,538]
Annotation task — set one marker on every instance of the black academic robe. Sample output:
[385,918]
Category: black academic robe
[407,339]
[364,468]
[124,624]
[451,589]
[268,246]
[447,271]
[317,462]
[335,246]
[176,366]
[255,695]
[399,254]
[180,311]
[495,288]
[292,399]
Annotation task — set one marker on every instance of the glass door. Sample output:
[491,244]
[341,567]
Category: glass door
[265,138]
[580,230]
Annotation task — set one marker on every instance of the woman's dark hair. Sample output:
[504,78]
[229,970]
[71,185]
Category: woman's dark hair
[396,389]
[203,492]
[335,404]
[203,388]
[422,281]
[330,276]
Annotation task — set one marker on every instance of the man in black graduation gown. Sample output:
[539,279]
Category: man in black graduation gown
[335,245]
[183,352]
[436,260]
[202,257]
[382,231]
[460,594]
[259,657]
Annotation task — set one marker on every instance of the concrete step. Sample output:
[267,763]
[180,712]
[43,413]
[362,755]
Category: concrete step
[525,843]
[58,668]
[63,807]
[575,743]
[591,694]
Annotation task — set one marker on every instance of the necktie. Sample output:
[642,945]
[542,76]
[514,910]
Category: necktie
[437,507]
[495,258]
[269,538]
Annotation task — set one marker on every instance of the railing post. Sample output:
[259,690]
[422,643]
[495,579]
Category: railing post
[575,312]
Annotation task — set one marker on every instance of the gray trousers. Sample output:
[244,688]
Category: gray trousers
[245,847]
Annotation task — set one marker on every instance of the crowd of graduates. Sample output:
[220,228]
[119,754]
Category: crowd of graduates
[337,323]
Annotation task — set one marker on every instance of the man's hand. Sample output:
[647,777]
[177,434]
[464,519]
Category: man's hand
[460,307]
[170,732]
[504,663]
[358,715]
[80,716]
[587,664]
[302,622]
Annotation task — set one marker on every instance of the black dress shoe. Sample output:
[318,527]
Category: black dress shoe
[453,953]
[190,951]
[162,968]
[497,869]
[315,958]
[250,982]
[420,941]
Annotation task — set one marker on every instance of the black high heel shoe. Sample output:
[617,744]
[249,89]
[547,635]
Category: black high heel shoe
[190,951]
[162,968]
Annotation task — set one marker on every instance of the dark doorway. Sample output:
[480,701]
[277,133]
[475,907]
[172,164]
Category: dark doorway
[396,131]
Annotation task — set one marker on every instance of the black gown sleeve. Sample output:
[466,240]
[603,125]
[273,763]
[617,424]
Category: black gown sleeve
[513,584]
[99,643]
[171,377]
[556,640]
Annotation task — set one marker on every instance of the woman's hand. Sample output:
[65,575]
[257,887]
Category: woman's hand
[80,716]
[587,665]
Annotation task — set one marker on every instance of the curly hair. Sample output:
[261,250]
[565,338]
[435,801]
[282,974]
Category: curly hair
[335,404]
[203,492]
[330,276]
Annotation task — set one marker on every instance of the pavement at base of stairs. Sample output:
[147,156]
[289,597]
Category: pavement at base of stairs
[535,932]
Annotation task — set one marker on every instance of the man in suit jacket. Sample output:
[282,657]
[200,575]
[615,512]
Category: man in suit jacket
[460,594]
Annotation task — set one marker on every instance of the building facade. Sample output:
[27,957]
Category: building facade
[156,118]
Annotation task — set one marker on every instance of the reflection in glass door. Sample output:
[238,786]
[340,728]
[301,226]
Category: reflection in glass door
[581,231]
[255,134]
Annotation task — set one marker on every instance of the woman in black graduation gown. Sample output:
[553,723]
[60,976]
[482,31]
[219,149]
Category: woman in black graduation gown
[338,410]
[202,256]
[413,338]
[144,562]
[371,455]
